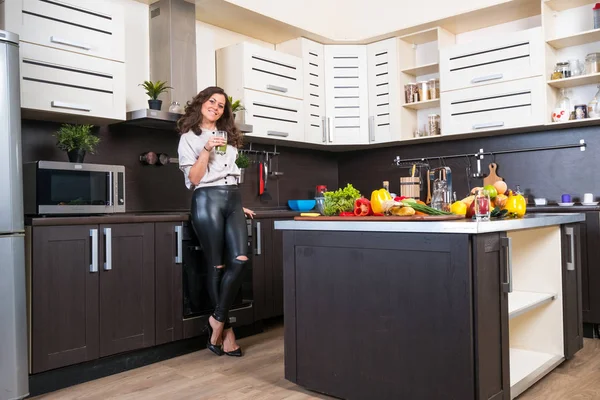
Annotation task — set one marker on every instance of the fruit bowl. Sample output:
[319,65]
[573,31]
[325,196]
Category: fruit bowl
[301,205]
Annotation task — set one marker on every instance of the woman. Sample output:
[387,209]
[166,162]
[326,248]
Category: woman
[217,213]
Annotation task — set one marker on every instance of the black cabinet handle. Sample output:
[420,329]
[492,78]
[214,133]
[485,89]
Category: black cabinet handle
[508,285]
[571,260]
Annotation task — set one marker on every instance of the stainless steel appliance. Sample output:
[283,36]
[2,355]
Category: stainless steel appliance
[14,380]
[69,188]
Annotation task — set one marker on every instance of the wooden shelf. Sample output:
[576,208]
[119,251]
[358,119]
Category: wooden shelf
[574,81]
[522,302]
[574,123]
[423,104]
[528,367]
[423,69]
[421,37]
[561,5]
[576,39]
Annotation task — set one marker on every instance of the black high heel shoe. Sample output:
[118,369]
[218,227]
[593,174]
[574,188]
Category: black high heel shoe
[235,353]
[217,349]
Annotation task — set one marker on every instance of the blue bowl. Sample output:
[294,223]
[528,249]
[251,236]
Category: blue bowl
[302,205]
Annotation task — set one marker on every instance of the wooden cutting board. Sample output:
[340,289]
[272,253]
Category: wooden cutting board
[492,177]
[384,218]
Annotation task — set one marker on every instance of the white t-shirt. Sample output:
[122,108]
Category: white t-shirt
[221,169]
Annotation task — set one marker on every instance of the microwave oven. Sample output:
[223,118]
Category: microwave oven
[51,187]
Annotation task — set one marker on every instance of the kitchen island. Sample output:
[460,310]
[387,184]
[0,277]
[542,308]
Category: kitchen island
[430,310]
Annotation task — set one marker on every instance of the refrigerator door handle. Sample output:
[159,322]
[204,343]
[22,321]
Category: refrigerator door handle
[94,264]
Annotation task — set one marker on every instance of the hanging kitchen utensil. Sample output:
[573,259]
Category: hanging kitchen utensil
[261,179]
[492,177]
[428,201]
[265,195]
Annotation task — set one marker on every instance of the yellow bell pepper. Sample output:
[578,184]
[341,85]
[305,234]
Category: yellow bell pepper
[515,205]
[377,198]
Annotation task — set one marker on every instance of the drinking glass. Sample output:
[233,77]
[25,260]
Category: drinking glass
[221,150]
[482,206]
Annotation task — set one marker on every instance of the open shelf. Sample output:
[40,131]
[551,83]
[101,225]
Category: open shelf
[521,302]
[561,5]
[576,39]
[420,105]
[428,35]
[574,81]
[423,69]
[575,123]
[528,367]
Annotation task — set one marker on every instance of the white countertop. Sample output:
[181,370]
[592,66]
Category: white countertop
[456,226]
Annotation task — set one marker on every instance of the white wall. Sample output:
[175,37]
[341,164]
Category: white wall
[137,53]
[494,31]
[360,19]
[210,38]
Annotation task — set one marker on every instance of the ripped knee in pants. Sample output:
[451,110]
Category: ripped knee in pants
[241,258]
[219,266]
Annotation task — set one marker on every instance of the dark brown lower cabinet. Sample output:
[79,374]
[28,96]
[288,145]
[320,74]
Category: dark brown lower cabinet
[169,301]
[572,299]
[126,287]
[64,297]
[267,265]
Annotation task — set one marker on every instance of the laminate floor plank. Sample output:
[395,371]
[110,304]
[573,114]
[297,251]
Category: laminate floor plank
[259,375]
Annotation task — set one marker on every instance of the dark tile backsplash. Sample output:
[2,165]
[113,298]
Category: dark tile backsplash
[153,188]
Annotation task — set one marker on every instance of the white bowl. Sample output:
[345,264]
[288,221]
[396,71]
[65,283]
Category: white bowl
[565,204]
[540,202]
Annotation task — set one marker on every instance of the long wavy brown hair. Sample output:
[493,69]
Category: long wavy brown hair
[191,120]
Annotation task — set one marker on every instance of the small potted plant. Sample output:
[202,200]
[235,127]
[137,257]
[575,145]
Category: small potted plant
[236,106]
[153,90]
[242,162]
[76,140]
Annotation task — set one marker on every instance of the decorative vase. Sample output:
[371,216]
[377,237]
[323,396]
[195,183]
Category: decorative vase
[240,178]
[76,156]
[155,104]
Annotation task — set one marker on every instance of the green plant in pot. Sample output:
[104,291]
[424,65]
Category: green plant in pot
[153,90]
[236,106]
[76,140]
[242,162]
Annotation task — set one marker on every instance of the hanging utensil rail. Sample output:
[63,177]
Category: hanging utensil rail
[479,155]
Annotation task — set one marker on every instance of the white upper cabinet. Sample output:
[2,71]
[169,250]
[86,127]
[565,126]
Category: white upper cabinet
[346,94]
[91,27]
[510,56]
[313,65]
[384,91]
[249,66]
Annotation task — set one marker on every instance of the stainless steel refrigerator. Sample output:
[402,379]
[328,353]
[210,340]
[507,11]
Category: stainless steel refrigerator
[13,320]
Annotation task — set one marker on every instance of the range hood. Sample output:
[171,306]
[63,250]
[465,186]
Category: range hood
[172,59]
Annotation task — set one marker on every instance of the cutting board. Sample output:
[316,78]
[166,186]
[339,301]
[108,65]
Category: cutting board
[384,218]
[492,177]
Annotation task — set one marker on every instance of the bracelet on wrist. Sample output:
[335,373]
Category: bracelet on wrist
[206,149]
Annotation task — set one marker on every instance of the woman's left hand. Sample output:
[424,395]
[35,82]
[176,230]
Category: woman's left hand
[249,213]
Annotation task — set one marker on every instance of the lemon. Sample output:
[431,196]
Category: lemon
[458,208]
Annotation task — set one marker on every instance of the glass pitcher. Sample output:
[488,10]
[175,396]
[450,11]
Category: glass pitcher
[440,196]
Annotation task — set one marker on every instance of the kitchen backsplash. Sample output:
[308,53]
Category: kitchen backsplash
[546,174]
[153,188]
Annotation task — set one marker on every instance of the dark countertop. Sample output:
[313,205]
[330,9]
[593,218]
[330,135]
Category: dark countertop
[139,217]
[554,208]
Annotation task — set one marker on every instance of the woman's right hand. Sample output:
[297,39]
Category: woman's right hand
[214,142]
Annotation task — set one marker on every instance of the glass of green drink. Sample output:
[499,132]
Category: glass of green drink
[221,150]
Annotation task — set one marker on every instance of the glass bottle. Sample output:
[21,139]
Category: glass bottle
[593,111]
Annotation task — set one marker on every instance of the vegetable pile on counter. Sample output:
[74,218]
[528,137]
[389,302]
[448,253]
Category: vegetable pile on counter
[340,201]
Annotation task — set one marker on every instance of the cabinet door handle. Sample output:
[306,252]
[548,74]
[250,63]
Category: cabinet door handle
[488,125]
[277,88]
[111,194]
[69,106]
[571,261]
[94,236]
[508,285]
[371,129]
[58,40]
[324,126]
[179,241]
[258,250]
[487,78]
[329,129]
[276,133]
[108,246]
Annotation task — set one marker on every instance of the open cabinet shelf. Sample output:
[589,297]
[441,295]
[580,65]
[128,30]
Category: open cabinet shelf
[522,302]
[423,69]
[420,105]
[575,39]
[561,5]
[528,367]
[575,81]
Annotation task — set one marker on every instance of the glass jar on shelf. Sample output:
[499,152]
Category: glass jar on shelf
[592,63]
[433,124]
[564,68]
[434,88]
[562,110]
[423,89]
[175,107]
[593,109]
[411,95]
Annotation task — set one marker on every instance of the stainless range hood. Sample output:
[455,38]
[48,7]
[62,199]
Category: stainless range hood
[172,59]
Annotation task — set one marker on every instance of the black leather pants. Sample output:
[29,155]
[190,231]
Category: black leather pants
[219,222]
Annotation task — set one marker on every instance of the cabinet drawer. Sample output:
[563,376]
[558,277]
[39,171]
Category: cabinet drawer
[273,72]
[514,56]
[61,81]
[274,116]
[500,106]
[93,27]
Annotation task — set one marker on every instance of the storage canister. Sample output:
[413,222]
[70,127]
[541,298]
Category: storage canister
[423,89]
[592,63]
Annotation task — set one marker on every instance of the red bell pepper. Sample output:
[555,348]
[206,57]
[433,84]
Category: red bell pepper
[346,214]
[362,207]
[400,198]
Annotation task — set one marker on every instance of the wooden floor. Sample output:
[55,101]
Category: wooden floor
[259,376]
